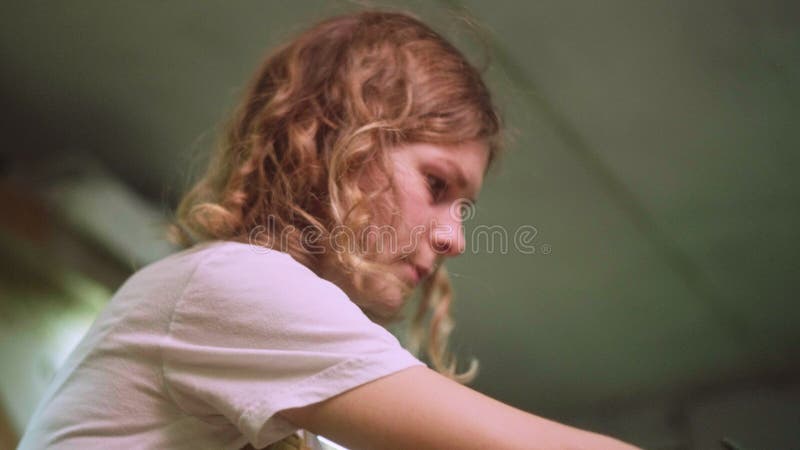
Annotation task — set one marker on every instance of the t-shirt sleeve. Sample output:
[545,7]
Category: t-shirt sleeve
[257,332]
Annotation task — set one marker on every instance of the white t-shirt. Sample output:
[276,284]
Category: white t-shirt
[201,349]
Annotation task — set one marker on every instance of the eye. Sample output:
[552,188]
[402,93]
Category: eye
[437,187]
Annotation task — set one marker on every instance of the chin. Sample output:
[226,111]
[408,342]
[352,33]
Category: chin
[383,302]
[386,310]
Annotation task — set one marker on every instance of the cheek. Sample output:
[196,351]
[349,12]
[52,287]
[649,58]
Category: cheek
[413,201]
[416,212]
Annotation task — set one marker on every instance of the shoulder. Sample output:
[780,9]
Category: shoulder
[226,268]
[236,259]
[236,284]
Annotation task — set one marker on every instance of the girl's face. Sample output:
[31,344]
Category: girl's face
[433,184]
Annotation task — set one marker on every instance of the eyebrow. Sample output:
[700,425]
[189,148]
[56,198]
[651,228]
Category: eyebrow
[462,180]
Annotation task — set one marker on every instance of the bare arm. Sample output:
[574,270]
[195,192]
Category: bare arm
[421,409]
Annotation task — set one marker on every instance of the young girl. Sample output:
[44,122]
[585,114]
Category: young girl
[337,191]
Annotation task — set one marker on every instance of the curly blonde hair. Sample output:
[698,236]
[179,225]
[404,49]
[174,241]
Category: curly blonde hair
[321,110]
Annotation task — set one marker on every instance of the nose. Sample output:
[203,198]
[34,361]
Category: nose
[447,237]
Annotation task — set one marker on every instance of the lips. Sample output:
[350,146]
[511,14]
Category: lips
[415,273]
[422,272]
[419,273]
